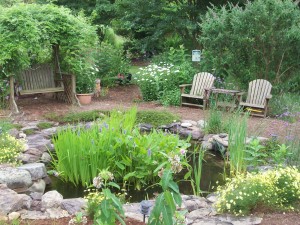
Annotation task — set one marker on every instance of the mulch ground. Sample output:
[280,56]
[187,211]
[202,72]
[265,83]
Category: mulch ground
[124,97]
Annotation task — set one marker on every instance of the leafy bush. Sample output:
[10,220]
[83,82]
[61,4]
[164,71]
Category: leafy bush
[258,40]
[10,148]
[277,189]
[116,144]
[109,63]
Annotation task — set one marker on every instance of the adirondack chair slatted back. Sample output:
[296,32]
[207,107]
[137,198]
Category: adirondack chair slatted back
[38,78]
[258,91]
[200,82]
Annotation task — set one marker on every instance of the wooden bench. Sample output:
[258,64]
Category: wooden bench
[38,80]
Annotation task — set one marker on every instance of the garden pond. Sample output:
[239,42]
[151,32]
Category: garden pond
[213,174]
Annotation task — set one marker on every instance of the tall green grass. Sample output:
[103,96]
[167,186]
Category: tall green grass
[198,156]
[237,143]
[114,143]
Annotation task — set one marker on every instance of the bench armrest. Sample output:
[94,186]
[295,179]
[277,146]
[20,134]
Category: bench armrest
[269,97]
[241,93]
[185,85]
[182,87]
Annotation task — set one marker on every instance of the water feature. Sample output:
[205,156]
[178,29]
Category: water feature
[212,171]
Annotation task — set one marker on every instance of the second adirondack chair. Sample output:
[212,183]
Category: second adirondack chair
[259,94]
[201,82]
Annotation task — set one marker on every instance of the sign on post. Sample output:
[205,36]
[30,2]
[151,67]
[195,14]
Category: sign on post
[196,55]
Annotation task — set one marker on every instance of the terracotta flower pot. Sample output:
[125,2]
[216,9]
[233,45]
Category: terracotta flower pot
[84,99]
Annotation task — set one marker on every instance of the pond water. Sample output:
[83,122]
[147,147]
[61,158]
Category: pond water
[212,171]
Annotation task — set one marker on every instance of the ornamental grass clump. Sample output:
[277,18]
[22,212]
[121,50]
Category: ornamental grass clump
[114,143]
[10,148]
[275,190]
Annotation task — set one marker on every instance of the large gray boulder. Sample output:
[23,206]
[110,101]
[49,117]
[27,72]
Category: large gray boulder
[37,170]
[51,199]
[15,178]
[11,201]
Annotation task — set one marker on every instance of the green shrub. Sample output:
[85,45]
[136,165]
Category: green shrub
[116,144]
[275,189]
[109,63]
[170,97]
[232,45]
[10,148]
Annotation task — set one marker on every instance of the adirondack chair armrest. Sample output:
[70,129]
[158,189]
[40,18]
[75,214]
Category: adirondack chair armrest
[239,96]
[269,97]
[183,86]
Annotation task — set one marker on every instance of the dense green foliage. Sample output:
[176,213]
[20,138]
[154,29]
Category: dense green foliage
[116,144]
[110,61]
[256,41]
[35,29]
[275,189]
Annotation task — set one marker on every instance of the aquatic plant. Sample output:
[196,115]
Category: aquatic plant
[114,143]
[237,143]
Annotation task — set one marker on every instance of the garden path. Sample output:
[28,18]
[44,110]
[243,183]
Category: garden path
[124,97]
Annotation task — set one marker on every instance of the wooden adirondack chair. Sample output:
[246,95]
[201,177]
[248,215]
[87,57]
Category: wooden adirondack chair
[259,94]
[201,82]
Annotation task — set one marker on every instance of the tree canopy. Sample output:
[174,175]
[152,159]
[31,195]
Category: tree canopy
[28,32]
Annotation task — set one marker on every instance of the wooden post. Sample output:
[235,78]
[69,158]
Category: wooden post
[75,100]
[12,102]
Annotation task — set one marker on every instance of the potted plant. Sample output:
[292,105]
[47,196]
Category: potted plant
[85,86]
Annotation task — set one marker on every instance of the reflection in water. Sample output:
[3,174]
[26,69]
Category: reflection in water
[212,171]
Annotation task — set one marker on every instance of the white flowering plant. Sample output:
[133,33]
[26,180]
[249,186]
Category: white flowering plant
[10,149]
[275,189]
[161,81]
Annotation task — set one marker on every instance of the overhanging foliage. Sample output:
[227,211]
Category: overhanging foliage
[28,32]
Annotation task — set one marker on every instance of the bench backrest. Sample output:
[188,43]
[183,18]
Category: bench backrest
[258,91]
[200,82]
[40,77]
